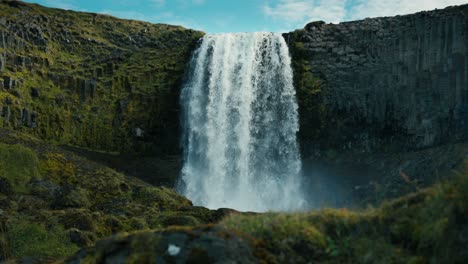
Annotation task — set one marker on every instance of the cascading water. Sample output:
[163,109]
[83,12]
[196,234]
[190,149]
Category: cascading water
[240,124]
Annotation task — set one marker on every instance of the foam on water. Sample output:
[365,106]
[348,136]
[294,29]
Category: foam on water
[240,123]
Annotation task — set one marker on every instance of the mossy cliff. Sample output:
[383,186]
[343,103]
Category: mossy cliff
[91,80]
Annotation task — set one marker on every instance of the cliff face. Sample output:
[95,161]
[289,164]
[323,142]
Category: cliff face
[384,84]
[370,92]
[91,80]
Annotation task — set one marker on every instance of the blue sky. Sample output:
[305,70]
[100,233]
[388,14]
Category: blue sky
[217,16]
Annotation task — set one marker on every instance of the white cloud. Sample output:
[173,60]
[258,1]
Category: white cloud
[294,12]
[377,8]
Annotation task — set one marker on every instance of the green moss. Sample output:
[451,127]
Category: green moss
[75,193]
[25,238]
[94,90]
[288,235]
[18,165]
[163,198]
[176,219]
[104,182]
[58,169]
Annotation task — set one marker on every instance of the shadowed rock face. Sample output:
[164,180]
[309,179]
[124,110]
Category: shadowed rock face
[384,84]
[380,98]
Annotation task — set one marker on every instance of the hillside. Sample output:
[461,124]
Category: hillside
[91,80]
[52,202]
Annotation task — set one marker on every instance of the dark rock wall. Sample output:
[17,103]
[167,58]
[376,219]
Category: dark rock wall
[383,84]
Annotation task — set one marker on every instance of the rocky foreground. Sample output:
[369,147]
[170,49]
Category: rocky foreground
[54,202]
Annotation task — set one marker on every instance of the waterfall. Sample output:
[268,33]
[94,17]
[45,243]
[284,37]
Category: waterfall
[240,123]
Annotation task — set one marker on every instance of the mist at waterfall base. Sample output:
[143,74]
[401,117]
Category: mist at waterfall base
[240,123]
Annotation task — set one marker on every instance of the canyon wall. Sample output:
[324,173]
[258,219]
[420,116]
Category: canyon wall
[383,84]
[92,80]
[389,94]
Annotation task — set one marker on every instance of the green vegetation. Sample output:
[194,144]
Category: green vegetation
[162,197]
[18,165]
[91,80]
[58,169]
[24,238]
[53,202]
